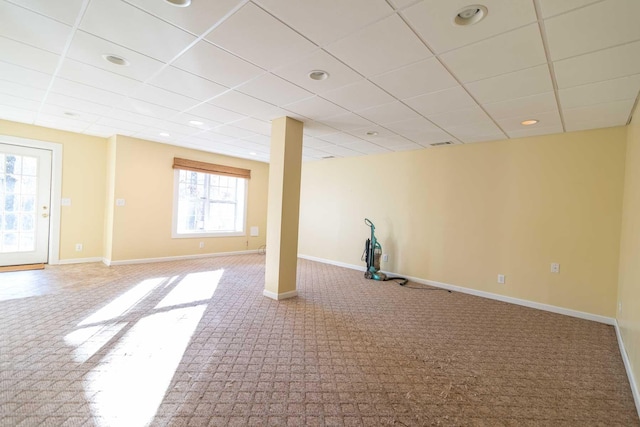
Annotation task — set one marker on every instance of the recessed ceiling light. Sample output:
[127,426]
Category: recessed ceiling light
[179,3]
[529,122]
[318,75]
[470,15]
[164,134]
[70,114]
[372,133]
[195,123]
[114,59]
[253,153]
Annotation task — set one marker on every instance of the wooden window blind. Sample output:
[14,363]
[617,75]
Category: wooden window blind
[195,166]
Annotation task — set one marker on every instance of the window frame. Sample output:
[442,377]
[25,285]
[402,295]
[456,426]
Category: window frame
[192,235]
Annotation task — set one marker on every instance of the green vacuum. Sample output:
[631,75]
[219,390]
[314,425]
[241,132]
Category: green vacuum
[372,254]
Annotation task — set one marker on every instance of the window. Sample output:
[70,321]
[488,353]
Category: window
[208,204]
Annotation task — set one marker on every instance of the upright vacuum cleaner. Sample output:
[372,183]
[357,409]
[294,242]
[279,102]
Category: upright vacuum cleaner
[372,254]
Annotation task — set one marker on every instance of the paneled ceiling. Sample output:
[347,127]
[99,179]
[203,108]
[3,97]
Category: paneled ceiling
[402,74]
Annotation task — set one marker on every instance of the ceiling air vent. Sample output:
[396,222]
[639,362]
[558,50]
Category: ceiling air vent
[436,144]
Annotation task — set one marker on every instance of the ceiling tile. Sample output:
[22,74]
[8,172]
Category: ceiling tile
[600,115]
[214,113]
[298,72]
[441,102]
[88,93]
[407,147]
[28,57]
[231,131]
[158,96]
[241,103]
[148,109]
[339,151]
[591,28]
[213,63]
[534,131]
[66,11]
[314,153]
[597,93]
[434,21]
[23,76]
[512,51]
[129,26]
[329,20]
[358,96]
[518,84]
[593,67]
[274,90]
[197,18]
[477,132]
[340,138]
[313,128]
[50,35]
[68,114]
[80,106]
[527,105]
[258,126]
[401,4]
[484,138]
[388,113]
[366,147]
[419,124]
[347,122]
[375,49]
[97,77]
[118,125]
[468,116]
[546,119]
[19,102]
[17,114]
[90,49]
[21,91]
[104,131]
[60,123]
[555,7]
[311,142]
[183,82]
[410,81]
[315,108]
[256,36]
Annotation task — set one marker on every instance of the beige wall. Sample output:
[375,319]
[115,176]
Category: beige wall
[464,214]
[629,285]
[83,181]
[143,176]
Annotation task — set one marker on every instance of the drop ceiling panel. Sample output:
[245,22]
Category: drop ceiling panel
[257,126]
[601,92]
[158,96]
[512,51]
[340,138]
[197,18]
[97,77]
[347,122]
[88,93]
[339,151]
[241,103]
[65,11]
[19,102]
[50,35]
[131,27]
[313,128]
[213,63]
[410,81]
[27,56]
[68,114]
[23,76]
[329,20]
[534,131]
[315,108]
[274,90]
[21,91]
[468,116]
[81,106]
[407,147]
[9,112]
[607,114]
[593,67]
[179,81]
[380,47]
[148,109]
[311,142]
[401,4]
[365,147]
[533,104]
[388,113]
[358,96]
[259,38]
[476,132]
[597,26]
[441,102]
[555,7]
[434,21]
[140,120]
[514,85]
[60,123]
[89,49]
[214,113]
[121,126]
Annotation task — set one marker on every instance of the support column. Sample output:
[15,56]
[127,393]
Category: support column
[283,209]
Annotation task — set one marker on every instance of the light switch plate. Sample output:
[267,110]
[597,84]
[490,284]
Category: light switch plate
[254,231]
[119,202]
[65,202]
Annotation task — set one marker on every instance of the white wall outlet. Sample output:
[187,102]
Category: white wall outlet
[555,267]
[500,278]
[255,231]
[385,257]
[78,247]
[120,202]
[201,245]
[65,202]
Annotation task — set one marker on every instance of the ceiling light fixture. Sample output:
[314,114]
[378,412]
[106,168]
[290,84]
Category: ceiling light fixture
[253,153]
[470,15]
[164,134]
[114,59]
[195,122]
[372,133]
[529,122]
[179,3]
[318,75]
[70,114]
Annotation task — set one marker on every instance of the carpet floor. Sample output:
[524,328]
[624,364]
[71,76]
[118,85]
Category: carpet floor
[195,343]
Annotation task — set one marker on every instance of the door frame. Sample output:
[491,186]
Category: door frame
[56,188]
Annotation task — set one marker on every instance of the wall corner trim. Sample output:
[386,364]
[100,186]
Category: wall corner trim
[627,366]
[281,296]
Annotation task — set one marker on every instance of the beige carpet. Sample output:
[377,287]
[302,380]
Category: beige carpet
[195,343]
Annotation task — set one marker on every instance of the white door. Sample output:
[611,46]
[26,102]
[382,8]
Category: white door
[25,196]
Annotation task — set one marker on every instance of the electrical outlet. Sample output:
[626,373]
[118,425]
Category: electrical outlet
[201,245]
[555,267]
[385,257]
[78,247]
[501,278]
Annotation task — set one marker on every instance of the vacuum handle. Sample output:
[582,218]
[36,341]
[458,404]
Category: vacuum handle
[369,223]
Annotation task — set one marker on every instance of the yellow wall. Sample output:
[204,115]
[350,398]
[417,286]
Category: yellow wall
[143,176]
[629,285]
[83,172]
[464,214]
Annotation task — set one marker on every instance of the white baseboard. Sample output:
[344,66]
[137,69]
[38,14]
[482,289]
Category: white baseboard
[628,368]
[78,260]
[483,294]
[281,296]
[174,258]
